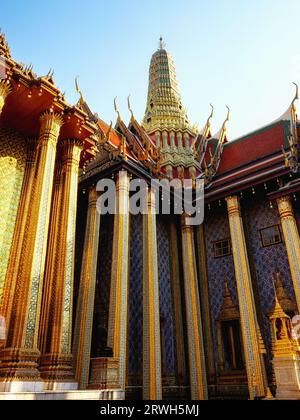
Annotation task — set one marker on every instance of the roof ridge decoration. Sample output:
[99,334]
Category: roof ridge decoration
[148,144]
[4,47]
[211,168]
[202,140]
[291,154]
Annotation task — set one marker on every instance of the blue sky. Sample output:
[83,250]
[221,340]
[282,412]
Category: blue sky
[242,53]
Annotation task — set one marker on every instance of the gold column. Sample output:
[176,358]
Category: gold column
[176,291]
[16,250]
[158,138]
[118,306]
[204,293]
[250,328]
[20,357]
[5,89]
[86,296]
[198,381]
[152,377]
[179,140]
[292,241]
[56,361]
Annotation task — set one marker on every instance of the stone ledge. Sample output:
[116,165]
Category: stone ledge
[104,395]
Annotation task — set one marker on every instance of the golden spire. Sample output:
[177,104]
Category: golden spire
[162,45]
[164,109]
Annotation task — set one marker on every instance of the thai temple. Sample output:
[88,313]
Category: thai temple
[146,306]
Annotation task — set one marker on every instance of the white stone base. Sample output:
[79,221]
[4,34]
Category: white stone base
[105,395]
[60,386]
[287,373]
[19,386]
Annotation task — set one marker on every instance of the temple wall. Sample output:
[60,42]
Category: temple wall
[136,301]
[13,150]
[165,299]
[101,312]
[266,260]
[216,228]
[135,333]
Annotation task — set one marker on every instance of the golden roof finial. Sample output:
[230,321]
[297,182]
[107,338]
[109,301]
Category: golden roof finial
[297,93]
[129,107]
[228,114]
[81,100]
[162,45]
[212,112]
[116,108]
[107,135]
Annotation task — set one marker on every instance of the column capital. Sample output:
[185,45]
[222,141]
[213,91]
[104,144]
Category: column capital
[93,195]
[233,205]
[122,182]
[285,206]
[184,222]
[5,89]
[71,150]
[51,122]
[151,201]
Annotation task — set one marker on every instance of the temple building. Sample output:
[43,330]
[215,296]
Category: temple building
[146,306]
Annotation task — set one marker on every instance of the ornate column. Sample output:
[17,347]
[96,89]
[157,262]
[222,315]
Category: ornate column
[179,141]
[152,377]
[177,304]
[18,370]
[158,138]
[172,140]
[56,361]
[6,303]
[292,241]
[5,89]
[118,305]
[204,294]
[165,140]
[249,323]
[86,296]
[187,141]
[198,381]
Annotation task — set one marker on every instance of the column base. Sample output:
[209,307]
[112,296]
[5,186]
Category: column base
[104,373]
[21,386]
[60,386]
[287,373]
[57,369]
[19,365]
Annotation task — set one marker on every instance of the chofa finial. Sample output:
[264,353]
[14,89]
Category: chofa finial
[78,90]
[297,92]
[116,108]
[129,106]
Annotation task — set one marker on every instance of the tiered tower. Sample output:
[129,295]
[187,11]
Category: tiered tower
[166,119]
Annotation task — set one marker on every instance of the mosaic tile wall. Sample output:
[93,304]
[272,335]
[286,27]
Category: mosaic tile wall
[102,285]
[218,269]
[135,342]
[135,333]
[267,261]
[13,151]
[257,215]
[165,297]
